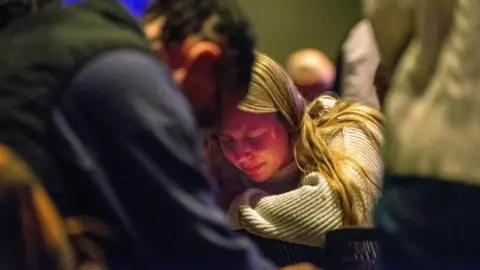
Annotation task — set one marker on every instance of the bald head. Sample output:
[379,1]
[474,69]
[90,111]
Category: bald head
[311,71]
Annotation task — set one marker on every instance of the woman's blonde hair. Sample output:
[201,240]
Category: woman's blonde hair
[311,127]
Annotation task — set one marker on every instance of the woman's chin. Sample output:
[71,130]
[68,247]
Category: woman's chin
[259,178]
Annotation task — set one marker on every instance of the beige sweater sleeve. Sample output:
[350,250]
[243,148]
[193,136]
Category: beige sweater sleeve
[300,216]
[304,215]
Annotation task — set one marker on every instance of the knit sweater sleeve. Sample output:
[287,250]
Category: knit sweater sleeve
[305,214]
[300,216]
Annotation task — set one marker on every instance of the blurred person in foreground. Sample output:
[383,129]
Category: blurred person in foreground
[312,72]
[430,60]
[100,120]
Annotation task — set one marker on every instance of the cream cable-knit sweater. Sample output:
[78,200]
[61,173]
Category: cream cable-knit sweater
[303,210]
[433,106]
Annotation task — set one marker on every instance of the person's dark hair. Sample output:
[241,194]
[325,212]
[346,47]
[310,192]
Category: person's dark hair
[185,17]
[13,9]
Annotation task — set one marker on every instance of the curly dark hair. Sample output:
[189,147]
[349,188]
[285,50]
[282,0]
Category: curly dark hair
[185,17]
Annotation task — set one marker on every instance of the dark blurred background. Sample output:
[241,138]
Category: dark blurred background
[284,26]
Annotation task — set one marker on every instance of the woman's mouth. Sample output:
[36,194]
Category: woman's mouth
[252,169]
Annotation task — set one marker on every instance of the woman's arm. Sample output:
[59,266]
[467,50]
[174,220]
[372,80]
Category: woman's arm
[300,216]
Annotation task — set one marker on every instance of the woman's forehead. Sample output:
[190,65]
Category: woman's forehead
[236,120]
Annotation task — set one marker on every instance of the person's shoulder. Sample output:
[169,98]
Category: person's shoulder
[128,61]
[361,37]
[130,81]
[125,72]
[362,25]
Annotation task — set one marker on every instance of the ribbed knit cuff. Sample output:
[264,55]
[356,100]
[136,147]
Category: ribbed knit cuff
[233,214]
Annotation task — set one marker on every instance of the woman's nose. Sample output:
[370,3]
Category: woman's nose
[242,152]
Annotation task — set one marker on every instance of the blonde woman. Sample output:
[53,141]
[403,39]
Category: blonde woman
[292,172]
[430,57]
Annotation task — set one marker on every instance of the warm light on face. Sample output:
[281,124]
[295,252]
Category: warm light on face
[257,144]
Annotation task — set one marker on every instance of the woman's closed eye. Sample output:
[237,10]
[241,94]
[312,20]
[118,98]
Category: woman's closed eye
[256,137]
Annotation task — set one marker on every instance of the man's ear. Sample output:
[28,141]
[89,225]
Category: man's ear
[198,62]
[203,55]
[198,78]
[199,67]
